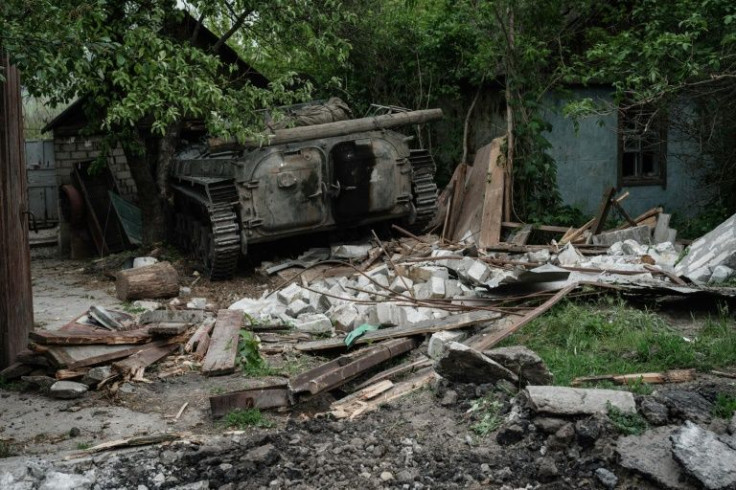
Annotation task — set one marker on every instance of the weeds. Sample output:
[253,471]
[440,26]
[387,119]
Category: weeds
[129,307]
[630,424]
[490,415]
[249,358]
[83,446]
[12,385]
[609,337]
[725,406]
[244,418]
[6,449]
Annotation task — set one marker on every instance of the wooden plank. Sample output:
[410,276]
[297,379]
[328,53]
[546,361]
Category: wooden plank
[521,236]
[86,337]
[494,338]
[644,217]
[577,233]
[15,371]
[451,322]
[603,209]
[492,215]
[458,195]
[78,356]
[339,371]
[63,374]
[408,367]
[550,228]
[133,441]
[271,396]
[169,328]
[202,331]
[223,349]
[144,358]
[624,214]
[672,376]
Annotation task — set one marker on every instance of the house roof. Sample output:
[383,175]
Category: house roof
[75,117]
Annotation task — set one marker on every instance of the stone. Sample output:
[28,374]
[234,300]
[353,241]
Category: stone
[68,390]
[42,382]
[343,317]
[523,362]
[436,287]
[388,314]
[463,364]
[703,456]
[401,284]
[350,252]
[721,273]
[640,234]
[510,434]
[538,256]
[299,307]
[387,476]
[650,454]
[687,405]
[314,323]
[96,375]
[185,291]
[656,413]
[290,294]
[405,476]
[74,432]
[587,431]
[439,340]
[607,478]
[148,305]
[548,425]
[478,273]
[143,261]
[197,303]
[265,455]
[65,481]
[569,256]
[449,399]
[546,469]
[560,400]
[565,434]
[415,315]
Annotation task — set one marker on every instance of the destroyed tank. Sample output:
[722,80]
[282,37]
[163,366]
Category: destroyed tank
[301,180]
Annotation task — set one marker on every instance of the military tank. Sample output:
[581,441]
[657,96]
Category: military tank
[300,180]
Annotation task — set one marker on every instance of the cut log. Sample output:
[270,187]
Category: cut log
[223,349]
[159,280]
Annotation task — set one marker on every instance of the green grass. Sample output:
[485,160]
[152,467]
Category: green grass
[630,424]
[725,406]
[128,307]
[490,416]
[6,449]
[609,337]
[83,446]
[244,418]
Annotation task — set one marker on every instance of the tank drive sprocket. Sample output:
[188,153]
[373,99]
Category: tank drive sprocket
[423,189]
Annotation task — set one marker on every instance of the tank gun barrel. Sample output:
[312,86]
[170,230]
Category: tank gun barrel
[341,128]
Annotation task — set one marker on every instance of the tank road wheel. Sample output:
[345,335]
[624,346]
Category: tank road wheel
[219,243]
[423,189]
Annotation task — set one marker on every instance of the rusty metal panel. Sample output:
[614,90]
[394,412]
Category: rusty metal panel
[16,303]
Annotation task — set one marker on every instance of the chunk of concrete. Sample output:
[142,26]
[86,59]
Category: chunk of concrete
[290,293]
[299,307]
[650,454]
[401,284]
[523,362]
[569,256]
[721,273]
[715,248]
[388,314]
[703,456]
[686,405]
[318,300]
[143,261]
[560,400]
[640,234]
[350,252]
[463,364]
[96,375]
[439,341]
[423,273]
[344,317]
[197,303]
[413,315]
[68,390]
[314,323]
[436,287]
[538,256]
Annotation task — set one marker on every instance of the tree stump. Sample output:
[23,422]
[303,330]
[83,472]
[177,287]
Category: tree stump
[153,281]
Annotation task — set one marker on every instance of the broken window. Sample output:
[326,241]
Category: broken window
[642,147]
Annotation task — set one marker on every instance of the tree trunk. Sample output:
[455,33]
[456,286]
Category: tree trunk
[138,155]
[154,281]
[166,151]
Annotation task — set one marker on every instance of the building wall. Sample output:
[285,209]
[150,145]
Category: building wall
[587,162]
[73,149]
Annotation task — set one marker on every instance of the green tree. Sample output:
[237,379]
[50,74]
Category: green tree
[144,77]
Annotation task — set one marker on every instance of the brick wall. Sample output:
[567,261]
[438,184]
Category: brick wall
[73,149]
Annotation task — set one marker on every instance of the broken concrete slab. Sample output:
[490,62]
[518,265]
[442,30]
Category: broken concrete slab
[661,229]
[463,364]
[68,390]
[687,405]
[317,323]
[704,457]
[401,285]
[350,252]
[640,234]
[299,307]
[477,273]
[650,454]
[436,287]
[172,316]
[569,256]
[389,314]
[439,341]
[709,251]
[343,317]
[290,294]
[523,362]
[560,400]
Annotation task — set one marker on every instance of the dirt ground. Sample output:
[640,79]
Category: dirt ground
[424,440]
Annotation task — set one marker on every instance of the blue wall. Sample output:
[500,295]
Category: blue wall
[587,162]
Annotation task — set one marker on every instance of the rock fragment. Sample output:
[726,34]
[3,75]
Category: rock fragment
[705,457]
[463,364]
[559,400]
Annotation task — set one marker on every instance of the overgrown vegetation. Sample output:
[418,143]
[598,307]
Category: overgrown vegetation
[245,418]
[6,449]
[489,411]
[630,424]
[608,336]
[249,358]
[725,406]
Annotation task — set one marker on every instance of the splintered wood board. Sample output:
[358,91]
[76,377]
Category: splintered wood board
[223,348]
[144,358]
[492,215]
[89,337]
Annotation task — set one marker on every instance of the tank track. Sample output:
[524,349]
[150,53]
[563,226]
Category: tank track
[209,230]
[423,189]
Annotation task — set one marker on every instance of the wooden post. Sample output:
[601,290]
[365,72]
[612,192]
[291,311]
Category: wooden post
[16,300]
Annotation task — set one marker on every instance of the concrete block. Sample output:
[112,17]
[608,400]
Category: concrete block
[388,314]
[299,307]
[477,273]
[382,280]
[290,294]
[439,340]
[436,288]
[401,284]
[560,400]
[641,234]
[415,315]
[650,454]
[366,314]
[317,300]
[569,256]
[661,232]
[721,273]
[344,317]
[452,288]
[423,273]
[538,256]
[421,290]
[314,323]
[381,270]
[715,248]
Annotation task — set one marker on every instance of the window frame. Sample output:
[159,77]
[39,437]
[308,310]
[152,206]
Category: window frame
[658,125]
